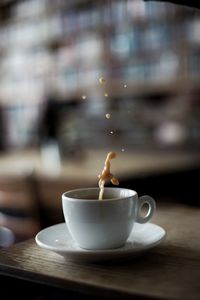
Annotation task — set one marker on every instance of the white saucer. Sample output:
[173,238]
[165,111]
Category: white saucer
[58,239]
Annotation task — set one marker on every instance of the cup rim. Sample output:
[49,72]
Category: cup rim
[66,195]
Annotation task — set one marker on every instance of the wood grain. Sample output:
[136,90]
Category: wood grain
[169,271]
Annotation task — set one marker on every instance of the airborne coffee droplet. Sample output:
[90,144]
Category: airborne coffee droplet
[108,116]
[102,80]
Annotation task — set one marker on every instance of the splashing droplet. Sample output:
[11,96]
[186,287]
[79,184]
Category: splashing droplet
[108,116]
[84,97]
[102,80]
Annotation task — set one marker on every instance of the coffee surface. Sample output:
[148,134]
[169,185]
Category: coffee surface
[95,198]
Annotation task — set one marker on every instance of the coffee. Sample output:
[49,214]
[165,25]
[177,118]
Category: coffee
[106,175]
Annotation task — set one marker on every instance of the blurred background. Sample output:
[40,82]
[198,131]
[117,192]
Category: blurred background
[59,118]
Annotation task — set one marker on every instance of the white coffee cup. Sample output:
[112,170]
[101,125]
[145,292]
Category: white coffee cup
[104,224]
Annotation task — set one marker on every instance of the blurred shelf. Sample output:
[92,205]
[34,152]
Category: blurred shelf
[115,88]
[128,164]
[61,48]
[154,88]
[51,180]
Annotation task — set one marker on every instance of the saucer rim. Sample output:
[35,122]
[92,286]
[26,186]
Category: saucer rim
[85,252]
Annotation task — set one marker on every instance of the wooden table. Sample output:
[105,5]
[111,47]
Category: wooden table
[169,271]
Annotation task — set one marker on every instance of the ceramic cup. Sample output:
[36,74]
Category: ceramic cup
[104,224]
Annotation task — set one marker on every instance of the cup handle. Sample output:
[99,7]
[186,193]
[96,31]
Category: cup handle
[152,208]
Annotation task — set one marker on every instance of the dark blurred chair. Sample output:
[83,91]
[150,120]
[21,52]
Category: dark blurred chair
[19,208]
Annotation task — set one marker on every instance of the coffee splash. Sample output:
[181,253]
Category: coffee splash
[106,174]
